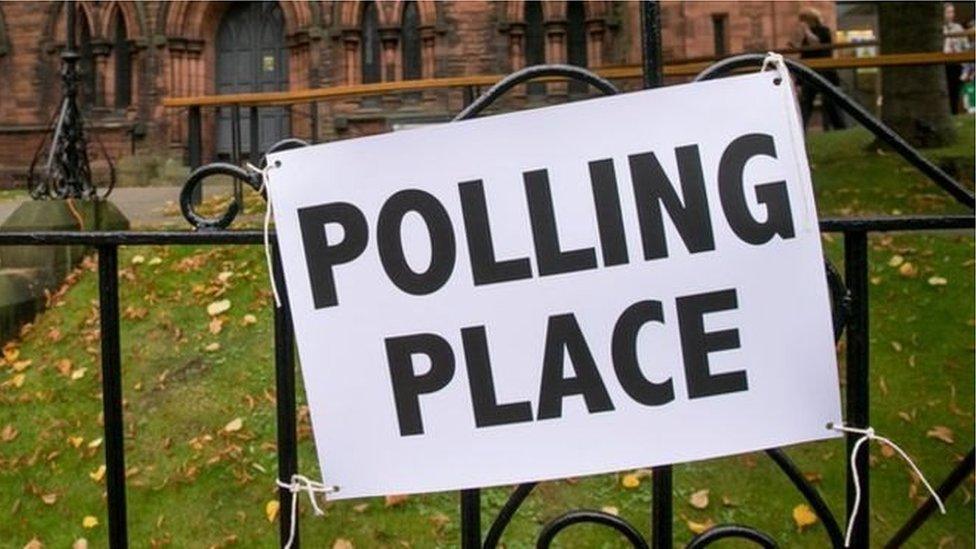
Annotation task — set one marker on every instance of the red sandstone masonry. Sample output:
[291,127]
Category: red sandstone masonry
[173,45]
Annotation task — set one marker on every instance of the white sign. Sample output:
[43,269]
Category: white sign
[609,284]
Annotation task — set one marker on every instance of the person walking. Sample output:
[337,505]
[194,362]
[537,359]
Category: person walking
[955,41]
[813,38]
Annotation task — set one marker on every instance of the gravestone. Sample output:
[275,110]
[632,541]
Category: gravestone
[27,271]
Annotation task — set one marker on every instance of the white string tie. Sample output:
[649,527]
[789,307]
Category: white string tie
[777,62]
[301,483]
[265,178]
[772,58]
[868,435]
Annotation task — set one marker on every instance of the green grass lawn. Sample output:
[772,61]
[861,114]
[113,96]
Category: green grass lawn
[13,194]
[198,478]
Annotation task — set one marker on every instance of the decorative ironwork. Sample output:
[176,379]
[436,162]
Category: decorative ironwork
[848,311]
[60,167]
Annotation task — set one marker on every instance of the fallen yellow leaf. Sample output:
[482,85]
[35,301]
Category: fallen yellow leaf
[218,307]
[630,480]
[271,509]
[937,281]
[78,374]
[803,516]
[700,527]
[896,260]
[699,500]
[22,365]
[212,347]
[18,380]
[49,499]
[10,353]
[34,543]
[610,510]
[391,501]
[98,474]
[249,319]
[215,326]
[8,433]
[342,543]
[155,261]
[234,425]
[887,451]
[76,441]
[224,276]
[138,259]
[89,522]
[941,432]
[908,270]
[95,443]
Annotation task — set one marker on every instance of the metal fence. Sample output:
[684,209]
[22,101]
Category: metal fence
[850,302]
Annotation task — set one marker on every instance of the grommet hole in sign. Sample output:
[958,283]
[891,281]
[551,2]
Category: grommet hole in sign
[776,60]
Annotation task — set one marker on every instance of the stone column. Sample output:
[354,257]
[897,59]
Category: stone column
[556,53]
[516,54]
[100,53]
[427,53]
[594,43]
[350,42]
[392,64]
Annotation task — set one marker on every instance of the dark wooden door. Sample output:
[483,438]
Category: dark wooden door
[251,57]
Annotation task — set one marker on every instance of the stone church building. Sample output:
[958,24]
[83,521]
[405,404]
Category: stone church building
[136,53]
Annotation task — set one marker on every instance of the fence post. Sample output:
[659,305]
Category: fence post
[661,498]
[651,44]
[471,519]
[858,384]
[194,144]
[255,154]
[314,121]
[661,508]
[236,148]
[108,313]
[285,399]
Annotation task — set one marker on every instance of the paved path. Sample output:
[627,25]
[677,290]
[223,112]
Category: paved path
[142,205]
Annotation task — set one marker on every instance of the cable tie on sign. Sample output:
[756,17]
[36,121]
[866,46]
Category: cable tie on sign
[776,60]
[301,483]
[265,178]
[868,435]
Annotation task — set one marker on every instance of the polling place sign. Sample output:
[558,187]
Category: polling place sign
[609,284]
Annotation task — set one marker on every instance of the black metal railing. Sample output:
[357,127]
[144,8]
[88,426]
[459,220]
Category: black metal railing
[850,303]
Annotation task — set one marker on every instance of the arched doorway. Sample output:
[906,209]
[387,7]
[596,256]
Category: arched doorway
[251,57]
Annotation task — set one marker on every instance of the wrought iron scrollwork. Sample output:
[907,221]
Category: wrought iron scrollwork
[194,186]
[60,167]
[838,292]
[808,76]
[552,528]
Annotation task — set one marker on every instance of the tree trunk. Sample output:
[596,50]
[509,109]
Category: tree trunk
[915,100]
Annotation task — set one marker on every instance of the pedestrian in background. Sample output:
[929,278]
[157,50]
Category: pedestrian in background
[955,42]
[813,38]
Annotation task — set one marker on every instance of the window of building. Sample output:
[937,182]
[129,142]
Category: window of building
[720,23]
[410,45]
[576,41]
[86,63]
[123,64]
[370,45]
[535,42]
